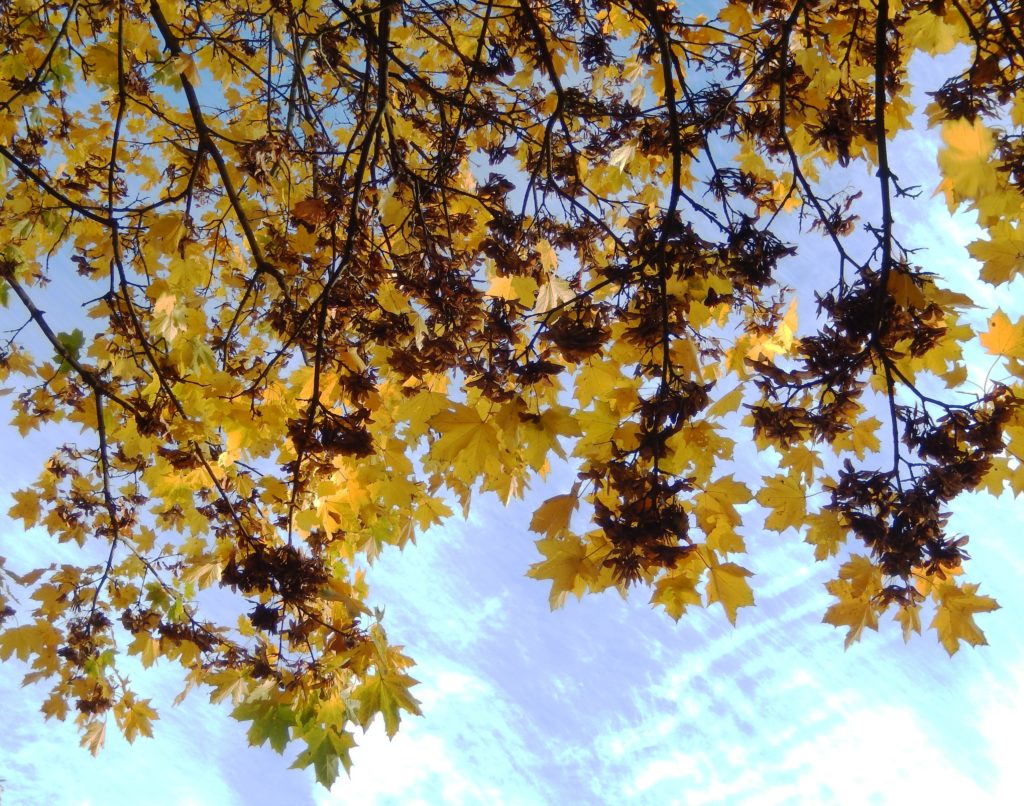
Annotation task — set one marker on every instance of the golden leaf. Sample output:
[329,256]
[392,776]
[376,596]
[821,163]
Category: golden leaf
[727,585]
[785,497]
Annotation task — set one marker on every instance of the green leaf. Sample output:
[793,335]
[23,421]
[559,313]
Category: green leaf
[270,722]
[71,343]
[325,748]
[386,694]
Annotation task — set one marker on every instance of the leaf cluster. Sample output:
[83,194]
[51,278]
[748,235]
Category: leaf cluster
[342,264]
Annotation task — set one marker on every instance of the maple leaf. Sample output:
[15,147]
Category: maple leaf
[675,592]
[965,159]
[786,499]
[134,717]
[826,533]
[863,576]
[803,461]
[94,736]
[391,299]
[270,722]
[909,618]
[719,499]
[954,616]
[567,564]
[26,507]
[552,516]
[466,442]
[310,211]
[856,613]
[70,345]
[1002,255]
[1003,337]
[862,438]
[552,294]
[229,684]
[386,694]
[522,290]
[169,318]
[622,156]
[326,747]
[904,290]
[727,584]
[147,647]
[311,323]
[26,640]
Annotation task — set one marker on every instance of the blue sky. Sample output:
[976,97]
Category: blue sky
[606,700]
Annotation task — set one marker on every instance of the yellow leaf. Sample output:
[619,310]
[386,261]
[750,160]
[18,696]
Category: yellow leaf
[566,565]
[826,533]
[103,59]
[552,517]
[685,360]
[146,647]
[727,584]
[1003,337]
[169,319]
[26,507]
[675,591]
[622,156]
[718,500]
[467,443]
[954,617]
[518,289]
[391,299]
[165,233]
[540,435]
[784,338]
[228,684]
[861,438]
[204,572]
[94,735]
[736,16]
[863,576]
[904,290]
[723,538]
[727,403]
[930,32]
[386,694]
[1002,255]
[595,379]
[185,66]
[965,159]
[786,499]
[307,520]
[28,639]
[273,489]
[803,461]
[855,613]
[547,254]
[909,618]
[553,293]
[134,717]
[55,707]
[599,426]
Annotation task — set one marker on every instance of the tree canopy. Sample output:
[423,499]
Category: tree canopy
[343,266]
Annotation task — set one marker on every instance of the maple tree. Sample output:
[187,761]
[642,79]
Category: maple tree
[343,264]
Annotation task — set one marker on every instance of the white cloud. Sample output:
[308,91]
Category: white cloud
[1000,703]
[41,761]
[469,750]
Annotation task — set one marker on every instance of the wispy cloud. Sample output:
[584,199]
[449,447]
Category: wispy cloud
[470,749]
[41,762]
